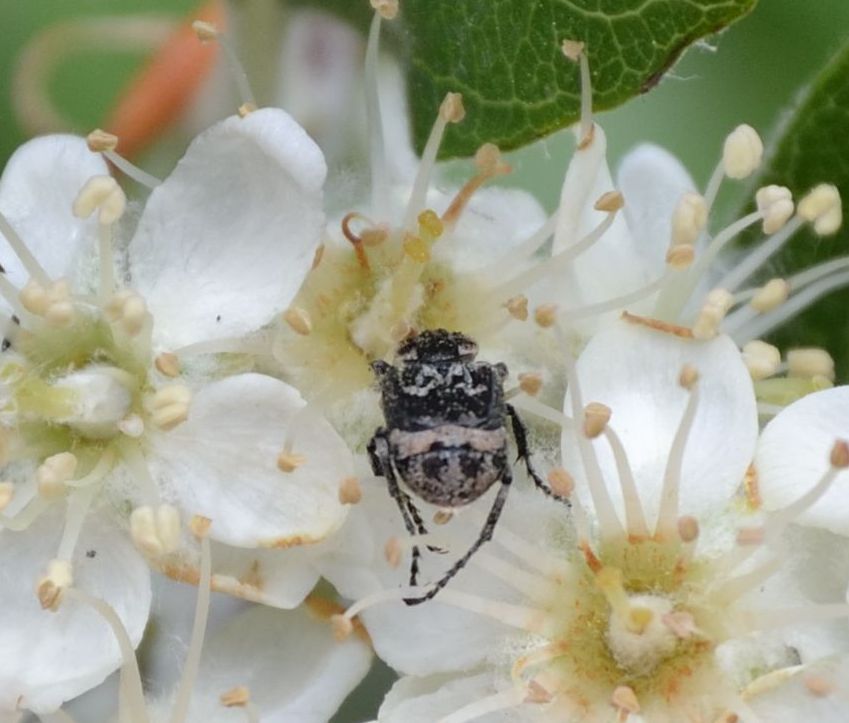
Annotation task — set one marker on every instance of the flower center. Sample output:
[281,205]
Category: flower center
[101,398]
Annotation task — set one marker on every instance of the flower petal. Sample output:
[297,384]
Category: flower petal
[227,239]
[634,370]
[294,668]
[38,187]
[793,454]
[50,657]
[652,181]
[222,463]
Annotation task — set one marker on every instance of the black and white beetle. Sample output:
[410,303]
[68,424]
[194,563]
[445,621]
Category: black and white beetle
[445,436]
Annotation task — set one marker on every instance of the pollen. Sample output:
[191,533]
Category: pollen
[517,307]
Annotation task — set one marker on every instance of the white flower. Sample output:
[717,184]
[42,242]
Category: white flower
[112,403]
[672,599]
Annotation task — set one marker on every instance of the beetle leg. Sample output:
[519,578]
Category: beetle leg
[420,525]
[381,464]
[520,433]
[484,537]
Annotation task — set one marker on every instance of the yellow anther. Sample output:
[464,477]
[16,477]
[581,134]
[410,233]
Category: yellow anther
[168,364]
[298,320]
[350,491]
[289,461]
[51,587]
[430,225]
[688,377]
[99,141]
[235,697]
[199,526]
[561,482]
[545,315]
[610,202]
[452,110]
[517,307]
[840,454]
[596,417]
[572,49]
[417,249]
[530,383]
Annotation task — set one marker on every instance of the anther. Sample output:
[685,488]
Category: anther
[689,219]
[718,302]
[387,9]
[530,383]
[840,454]
[688,528]
[342,627]
[572,49]
[610,202]
[155,532]
[517,307]
[776,205]
[128,310]
[596,417]
[7,492]
[289,461]
[452,110]
[99,141]
[430,225]
[34,298]
[681,623]
[54,472]
[771,295]
[205,32]
[810,362]
[392,552]
[246,109]
[237,697]
[761,359]
[545,315]
[489,162]
[625,699]
[750,536]
[350,491]
[742,152]
[681,256]
[822,207]
[170,406]
[102,194]
[168,364]
[688,377]
[199,526]
[51,587]
[132,426]
[561,482]
[298,320]
[818,685]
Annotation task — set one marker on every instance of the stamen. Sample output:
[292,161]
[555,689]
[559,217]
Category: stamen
[762,360]
[51,588]
[609,525]
[506,699]
[624,699]
[810,362]
[517,616]
[742,152]
[100,141]
[200,526]
[343,622]
[548,566]
[450,111]
[77,508]
[635,521]
[614,303]
[535,587]
[207,32]
[506,265]
[712,314]
[155,532]
[258,345]
[688,219]
[534,406]
[738,586]
[379,182]
[350,491]
[489,163]
[54,472]
[169,406]
[574,51]
[355,240]
[131,683]
[30,263]
[763,620]
[823,208]
[667,519]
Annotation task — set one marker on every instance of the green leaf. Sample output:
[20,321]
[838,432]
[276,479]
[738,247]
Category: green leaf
[813,147]
[504,57]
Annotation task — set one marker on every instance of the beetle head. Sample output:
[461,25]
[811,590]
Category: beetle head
[437,345]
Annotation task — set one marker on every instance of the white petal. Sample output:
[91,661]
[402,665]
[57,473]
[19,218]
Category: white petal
[38,187]
[816,693]
[294,668]
[634,370]
[614,264]
[46,657]
[227,239]
[652,181]
[222,463]
[793,455]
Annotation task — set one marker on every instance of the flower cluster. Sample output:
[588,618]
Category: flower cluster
[186,387]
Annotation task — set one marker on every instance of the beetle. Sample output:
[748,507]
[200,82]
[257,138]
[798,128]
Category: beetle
[446,435]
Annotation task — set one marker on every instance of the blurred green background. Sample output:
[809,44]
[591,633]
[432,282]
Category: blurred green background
[751,72]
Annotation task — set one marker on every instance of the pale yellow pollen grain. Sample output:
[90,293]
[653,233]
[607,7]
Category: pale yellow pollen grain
[443,517]
[298,320]
[99,141]
[818,685]
[572,49]
[545,315]
[235,697]
[517,306]
[562,483]
[596,417]
[392,552]
[350,491]
[342,627]
[452,109]
[290,461]
[168,364]
[7,492]
[624,698]
[840,454]
[530,383]
[610,202]
[688,528]
[199,526]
